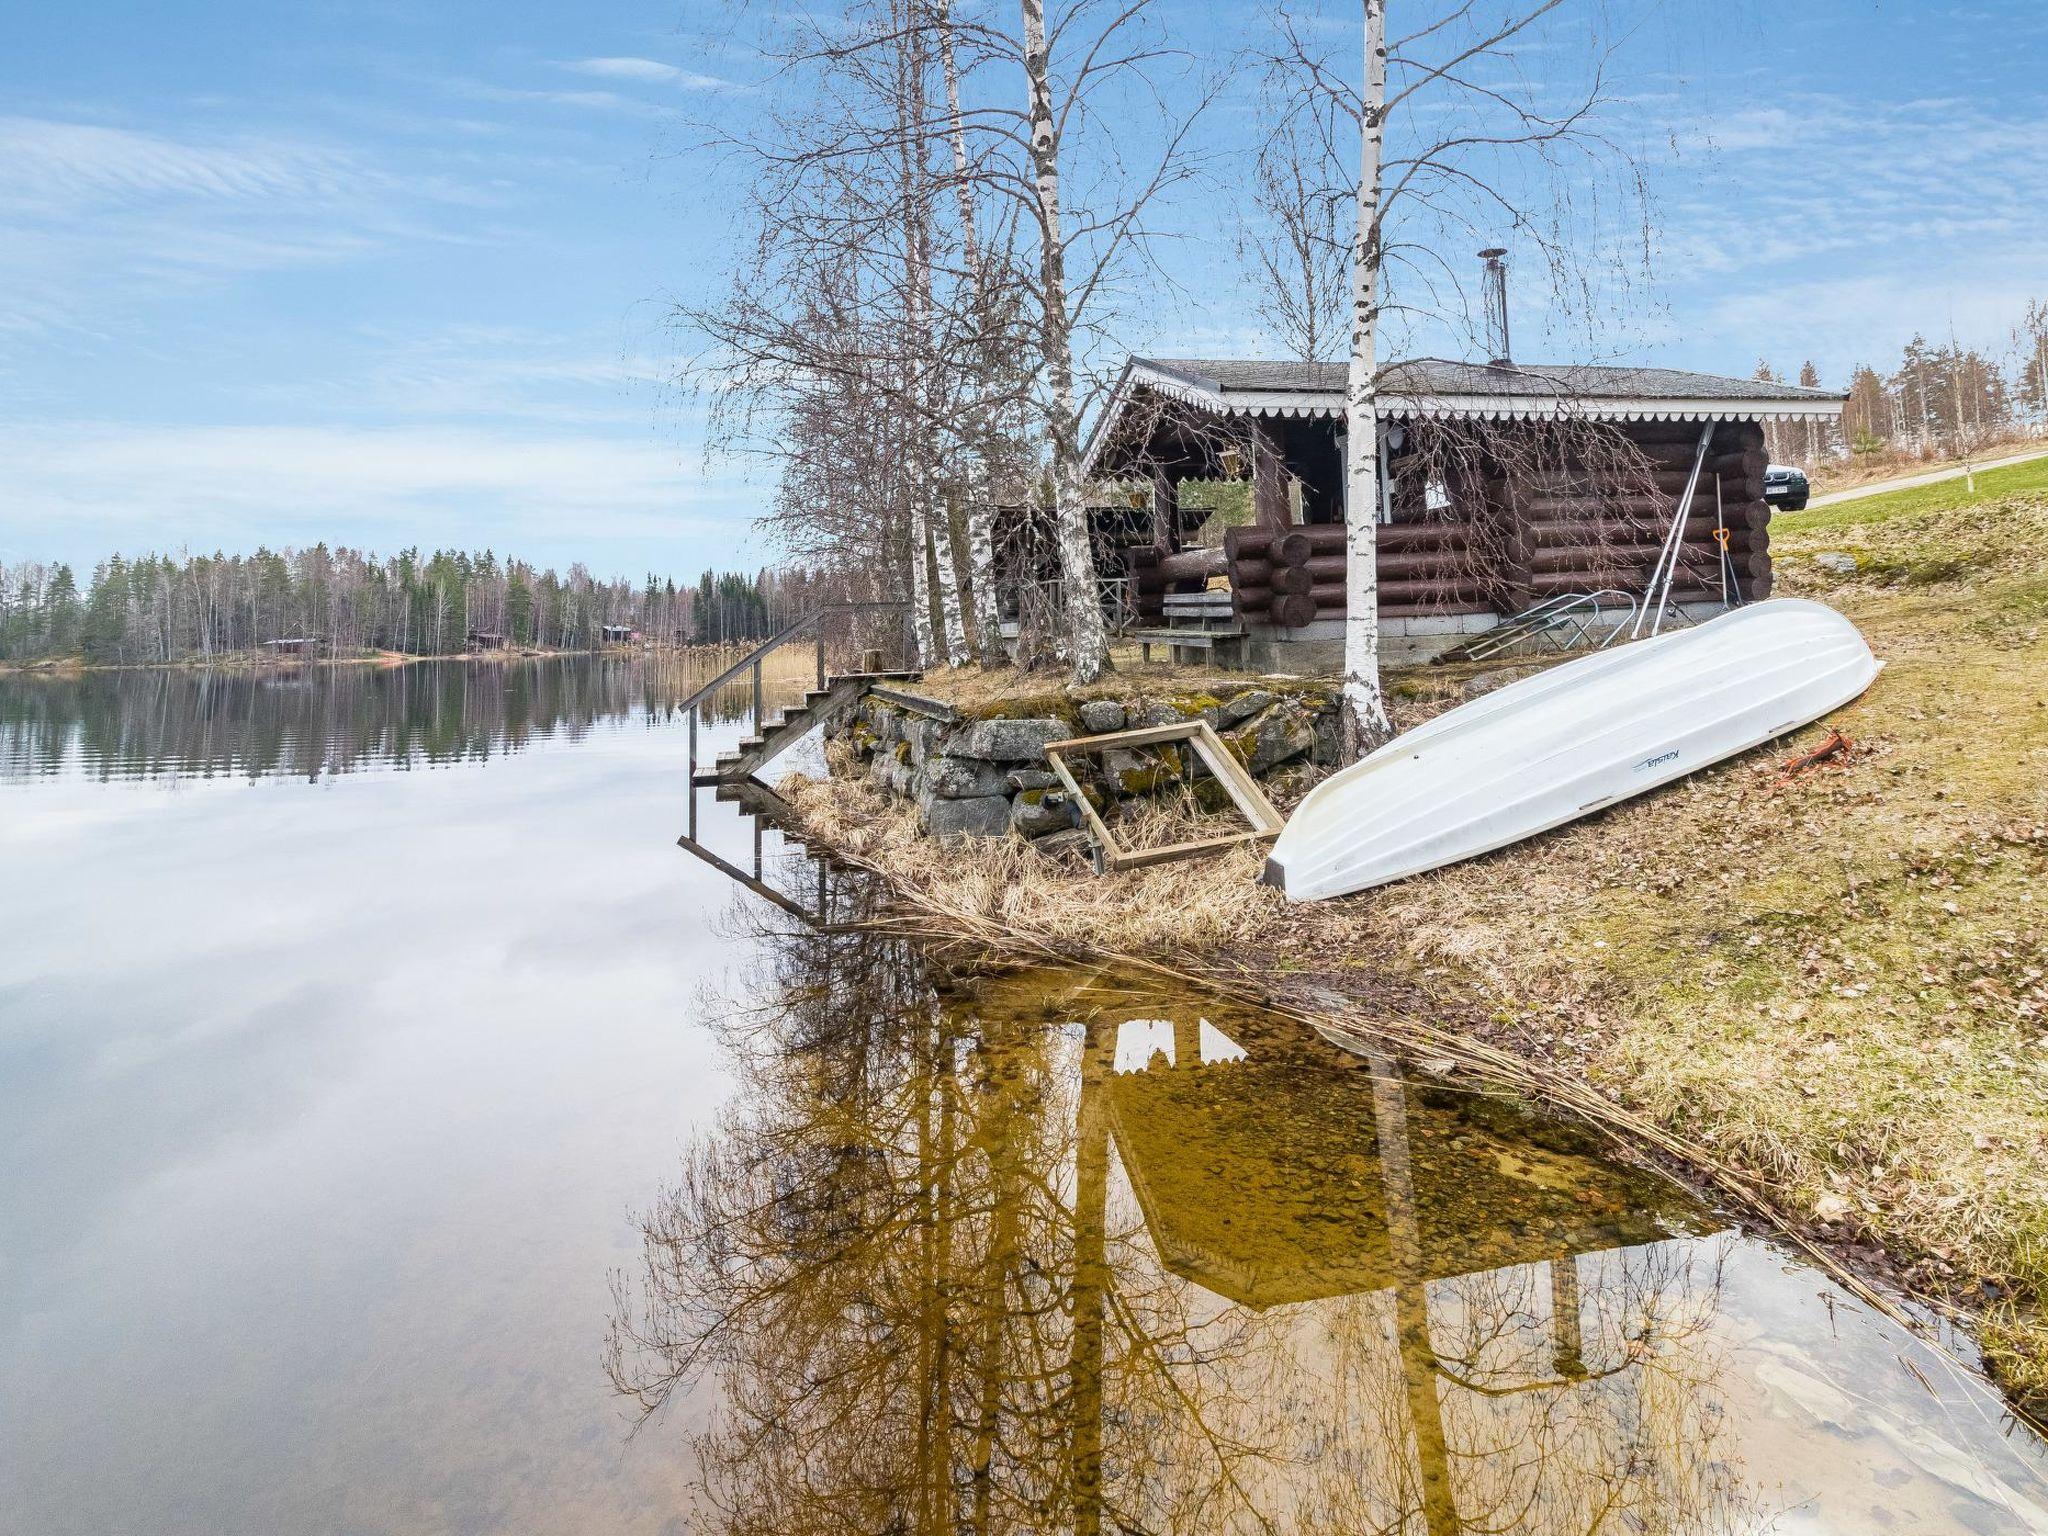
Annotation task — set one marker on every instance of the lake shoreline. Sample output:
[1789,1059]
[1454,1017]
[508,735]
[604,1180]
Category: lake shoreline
[246,662]
[1821,994]
[1444,1027]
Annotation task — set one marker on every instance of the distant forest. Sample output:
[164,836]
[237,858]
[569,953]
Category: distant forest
[1939,400]
[159,609]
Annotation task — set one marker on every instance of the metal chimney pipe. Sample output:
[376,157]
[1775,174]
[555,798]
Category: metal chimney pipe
[1494,293]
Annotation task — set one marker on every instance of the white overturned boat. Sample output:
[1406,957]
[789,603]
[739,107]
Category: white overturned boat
[1566,742]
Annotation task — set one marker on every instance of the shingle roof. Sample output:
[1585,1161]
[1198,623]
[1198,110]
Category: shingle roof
[1432,387]
[1436,376]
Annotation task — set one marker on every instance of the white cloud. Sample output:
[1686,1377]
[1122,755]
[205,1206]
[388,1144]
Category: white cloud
[1834,226]
[94,219]
[651,71]
[52,166]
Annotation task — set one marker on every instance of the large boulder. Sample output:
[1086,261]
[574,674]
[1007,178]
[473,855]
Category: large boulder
[962,778]
[890,771]
[923,733]
[1007,741]
[977,816]
[1328,751]
[884,721]
[1143,772]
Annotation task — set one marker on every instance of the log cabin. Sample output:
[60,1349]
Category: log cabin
[1501,486]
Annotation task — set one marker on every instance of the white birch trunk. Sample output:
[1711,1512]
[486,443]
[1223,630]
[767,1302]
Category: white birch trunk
[981,551]
[957,654]
[1365,723]
[981,571]
[920,583]
[1087,644]
[916,361]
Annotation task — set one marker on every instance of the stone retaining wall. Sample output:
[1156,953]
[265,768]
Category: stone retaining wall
[987,777]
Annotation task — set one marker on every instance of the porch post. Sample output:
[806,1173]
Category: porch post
[1165,512]
[1269,478]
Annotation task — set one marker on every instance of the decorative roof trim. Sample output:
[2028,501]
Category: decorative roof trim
[1208,395]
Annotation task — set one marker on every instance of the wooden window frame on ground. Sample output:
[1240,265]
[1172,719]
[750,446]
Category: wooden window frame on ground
[1242,788]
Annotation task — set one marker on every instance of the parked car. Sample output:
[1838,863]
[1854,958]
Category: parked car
[1785,487]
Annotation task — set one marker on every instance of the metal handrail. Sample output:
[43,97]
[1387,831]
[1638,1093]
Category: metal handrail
[754,658]
[1550,614]
[782,638]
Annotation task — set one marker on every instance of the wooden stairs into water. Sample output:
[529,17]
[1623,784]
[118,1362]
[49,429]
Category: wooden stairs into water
[776,734]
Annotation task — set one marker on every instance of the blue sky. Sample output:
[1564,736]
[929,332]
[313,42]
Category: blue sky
[396,273]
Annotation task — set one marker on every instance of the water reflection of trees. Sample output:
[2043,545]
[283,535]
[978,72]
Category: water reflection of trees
[938,1282]
[322,720]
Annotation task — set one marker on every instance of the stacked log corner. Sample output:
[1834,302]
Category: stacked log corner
[1293,577]
[1148,586]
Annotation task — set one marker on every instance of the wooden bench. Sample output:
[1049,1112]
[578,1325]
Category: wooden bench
[1195,621]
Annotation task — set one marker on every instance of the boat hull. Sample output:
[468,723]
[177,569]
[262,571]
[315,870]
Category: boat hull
[1568,742]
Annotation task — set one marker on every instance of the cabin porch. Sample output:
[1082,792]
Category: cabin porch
[1501,488]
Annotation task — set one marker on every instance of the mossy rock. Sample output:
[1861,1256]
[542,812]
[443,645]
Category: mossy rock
[1136,773]
[1037,706]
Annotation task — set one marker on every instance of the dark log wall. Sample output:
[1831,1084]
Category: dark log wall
[1296,576]
[1505,545]
[1567,544]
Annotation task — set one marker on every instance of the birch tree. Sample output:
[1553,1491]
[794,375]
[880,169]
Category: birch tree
[1445,146]
[979,487]
[1088,643]
[930,526]
[1364,719]
[849,287]
[1105,93]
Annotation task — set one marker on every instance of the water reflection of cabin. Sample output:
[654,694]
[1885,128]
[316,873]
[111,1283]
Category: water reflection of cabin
[1531,509]
[1261,1175]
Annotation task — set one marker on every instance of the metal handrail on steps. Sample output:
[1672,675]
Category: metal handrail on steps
[755,657]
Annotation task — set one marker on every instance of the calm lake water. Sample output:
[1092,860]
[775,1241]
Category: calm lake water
[399,1132]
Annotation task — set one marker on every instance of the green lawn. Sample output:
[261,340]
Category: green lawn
[2016,479]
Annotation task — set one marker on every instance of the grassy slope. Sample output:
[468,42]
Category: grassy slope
[1836,983]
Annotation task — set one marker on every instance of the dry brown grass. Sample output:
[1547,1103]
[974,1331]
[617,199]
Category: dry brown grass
[1056,903]
[1835,985]
[1008,691]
